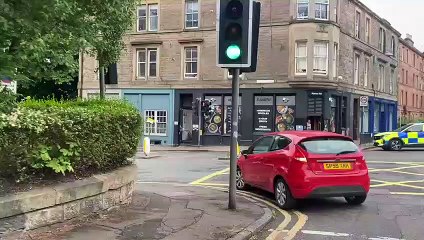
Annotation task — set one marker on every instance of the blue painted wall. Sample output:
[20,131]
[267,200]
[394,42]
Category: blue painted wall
[154,99]
[386,106]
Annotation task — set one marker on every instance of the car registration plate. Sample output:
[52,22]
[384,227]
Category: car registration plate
[337,166]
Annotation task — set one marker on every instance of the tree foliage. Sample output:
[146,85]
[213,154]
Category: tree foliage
[41,39]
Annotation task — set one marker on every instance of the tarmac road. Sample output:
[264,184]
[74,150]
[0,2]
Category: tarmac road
[394,208]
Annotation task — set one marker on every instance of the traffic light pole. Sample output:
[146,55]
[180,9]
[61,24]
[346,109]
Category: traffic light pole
[234,138]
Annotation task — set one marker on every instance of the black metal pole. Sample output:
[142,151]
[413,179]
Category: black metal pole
[234,138]
[102,83]
[199,112]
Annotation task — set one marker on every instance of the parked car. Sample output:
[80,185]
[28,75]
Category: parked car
[410,135]
[305,164]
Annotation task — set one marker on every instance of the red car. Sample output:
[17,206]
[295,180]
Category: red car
[305,164]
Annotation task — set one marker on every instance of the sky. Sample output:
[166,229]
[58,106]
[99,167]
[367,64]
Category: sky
[407,16]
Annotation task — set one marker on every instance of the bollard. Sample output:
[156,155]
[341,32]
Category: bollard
[146,146]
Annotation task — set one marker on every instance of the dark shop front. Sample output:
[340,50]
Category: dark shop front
[261,111]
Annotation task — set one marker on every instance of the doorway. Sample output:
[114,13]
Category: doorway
[316,123]
[186,119]
[187,126]
[355,118]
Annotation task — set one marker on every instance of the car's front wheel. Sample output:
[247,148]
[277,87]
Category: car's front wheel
[356,200]
[283,195]
[240,183]
[395,144]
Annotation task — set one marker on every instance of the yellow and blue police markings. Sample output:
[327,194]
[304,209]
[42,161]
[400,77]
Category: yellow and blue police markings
[407,138]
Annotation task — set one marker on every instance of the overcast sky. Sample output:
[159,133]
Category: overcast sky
[407,16]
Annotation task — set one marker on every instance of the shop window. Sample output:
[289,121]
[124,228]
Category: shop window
[285,112]
[333,118]
[218,122]
[391,119]
[365,120]
[263,113]
[155,122]
[274,113]
[344,112]
[377,117]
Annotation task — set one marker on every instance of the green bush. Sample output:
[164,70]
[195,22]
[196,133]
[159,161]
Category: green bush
[49,137]
[7,100]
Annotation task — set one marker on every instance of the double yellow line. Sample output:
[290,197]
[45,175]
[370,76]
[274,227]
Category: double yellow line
[280,232]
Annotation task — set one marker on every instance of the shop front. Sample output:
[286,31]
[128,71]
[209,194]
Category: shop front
[157,106]
[261,111]
[379,116]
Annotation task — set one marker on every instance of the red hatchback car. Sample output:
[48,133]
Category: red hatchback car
[305,164]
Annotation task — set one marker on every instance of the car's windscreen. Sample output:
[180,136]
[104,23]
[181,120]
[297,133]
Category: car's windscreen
[329,146]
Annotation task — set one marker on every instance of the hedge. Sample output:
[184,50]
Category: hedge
[45,138]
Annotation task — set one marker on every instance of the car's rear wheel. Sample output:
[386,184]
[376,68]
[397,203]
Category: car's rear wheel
[356,200]
[283,195]
[395,144]
[240,183]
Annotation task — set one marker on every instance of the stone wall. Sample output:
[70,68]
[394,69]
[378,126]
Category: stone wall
[42,207]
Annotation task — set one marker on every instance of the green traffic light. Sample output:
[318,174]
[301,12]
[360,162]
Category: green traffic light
[233,52]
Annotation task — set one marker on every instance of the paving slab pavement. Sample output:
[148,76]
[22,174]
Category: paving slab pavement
[164,211]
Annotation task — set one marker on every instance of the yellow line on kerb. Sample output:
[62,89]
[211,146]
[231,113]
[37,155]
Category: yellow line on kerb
[200,180]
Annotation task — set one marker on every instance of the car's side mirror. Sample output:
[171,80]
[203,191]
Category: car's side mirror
[245,153]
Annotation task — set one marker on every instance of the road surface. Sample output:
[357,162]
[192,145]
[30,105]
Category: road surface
[394,209]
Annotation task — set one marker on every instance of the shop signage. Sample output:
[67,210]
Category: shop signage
[263,119]
[316,94]
[263,114]
[264,100]
[363,101]
[286,100]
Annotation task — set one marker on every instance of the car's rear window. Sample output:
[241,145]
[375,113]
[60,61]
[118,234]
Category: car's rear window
[329,146]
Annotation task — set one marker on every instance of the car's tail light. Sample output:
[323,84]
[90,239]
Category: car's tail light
[362,163]
[299,155]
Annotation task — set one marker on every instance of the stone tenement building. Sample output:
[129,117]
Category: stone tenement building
[411,81]
[316,59]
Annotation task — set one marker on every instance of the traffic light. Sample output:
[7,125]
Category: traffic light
[234,33]
[255,38]
[207,107]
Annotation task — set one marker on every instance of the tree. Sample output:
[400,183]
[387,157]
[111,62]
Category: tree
[40,40]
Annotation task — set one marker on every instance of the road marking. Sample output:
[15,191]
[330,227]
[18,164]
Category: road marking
[398,163]
[322,233]
[212,184]
[402,184]
[408,173]
[334,234]
[302,218]
[200,180]
[398,168]
[384,238]
[280,230]
[407,193]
